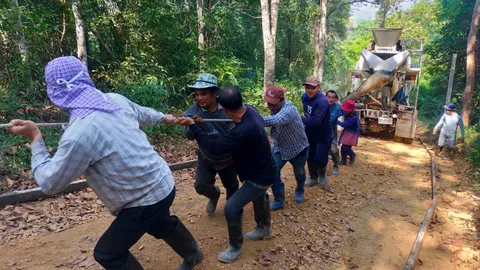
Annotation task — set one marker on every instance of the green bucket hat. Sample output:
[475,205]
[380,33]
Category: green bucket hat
[205,80]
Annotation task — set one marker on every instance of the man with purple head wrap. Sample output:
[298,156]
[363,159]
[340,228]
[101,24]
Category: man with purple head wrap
[103,142]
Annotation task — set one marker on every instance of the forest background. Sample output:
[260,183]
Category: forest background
[150,51]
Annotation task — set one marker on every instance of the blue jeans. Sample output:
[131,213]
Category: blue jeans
[298,163]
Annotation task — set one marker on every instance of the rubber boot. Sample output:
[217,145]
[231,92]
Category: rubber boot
[352,158]
[335,159]
[278,195]
[212,203]
[185,245]
[235,241]
[313,170]
[299,192]
[230,192]
[131,263]
[261,211]
[323,176]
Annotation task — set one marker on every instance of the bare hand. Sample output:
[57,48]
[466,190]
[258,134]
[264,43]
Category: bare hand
[169,119]
[25,128]
[434,131]
[185,121]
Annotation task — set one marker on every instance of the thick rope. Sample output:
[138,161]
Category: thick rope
[40,125]
[47,125]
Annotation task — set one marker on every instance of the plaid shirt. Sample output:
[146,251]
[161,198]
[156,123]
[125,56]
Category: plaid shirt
[287,131]
[113,154]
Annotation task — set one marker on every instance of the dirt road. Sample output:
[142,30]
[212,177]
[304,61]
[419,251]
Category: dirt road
[370,221]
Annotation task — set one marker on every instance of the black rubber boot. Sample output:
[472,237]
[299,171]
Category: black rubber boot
[185,245]
[235,242]
[335,159]
[323,176]
[313,170]
[230,192]
[131,264]
[352,158]
[212,202]
[261,212]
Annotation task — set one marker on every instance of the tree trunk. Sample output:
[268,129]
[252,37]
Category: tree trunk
[269,29]
[22,44]
[470,83]
[383,16]
[104,45]
[81,38]
[64,26]
[187,6]
[201,26]
[320,39]
[4,39]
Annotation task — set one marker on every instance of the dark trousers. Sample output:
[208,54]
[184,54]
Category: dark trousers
[347,151]
[233,210]
[246,194]
[318,157]
[129,226]
[205,173]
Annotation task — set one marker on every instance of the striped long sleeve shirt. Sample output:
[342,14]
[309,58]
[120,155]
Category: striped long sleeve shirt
[113,154]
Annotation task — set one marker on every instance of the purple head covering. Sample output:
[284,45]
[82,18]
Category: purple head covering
[69,86]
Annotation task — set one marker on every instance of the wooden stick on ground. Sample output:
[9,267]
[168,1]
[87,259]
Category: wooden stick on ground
[36,193]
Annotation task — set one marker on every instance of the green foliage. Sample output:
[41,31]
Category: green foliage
[473,141]
[451,24]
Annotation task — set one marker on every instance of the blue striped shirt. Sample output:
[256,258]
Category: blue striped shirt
[113,154]
[287,131]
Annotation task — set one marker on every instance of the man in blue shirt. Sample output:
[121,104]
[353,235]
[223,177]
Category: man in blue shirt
[335,113]
[248,143]
[210,164]
[318,129]
[290,144]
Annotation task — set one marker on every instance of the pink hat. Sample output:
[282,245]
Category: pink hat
[348,106]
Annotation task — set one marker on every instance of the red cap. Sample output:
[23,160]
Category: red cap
[274,94]
[348,106]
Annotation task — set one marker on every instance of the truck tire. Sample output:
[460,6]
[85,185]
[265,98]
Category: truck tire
[397,139]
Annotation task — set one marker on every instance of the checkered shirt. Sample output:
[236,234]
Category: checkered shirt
[69,86]
[287,131]
[113,154]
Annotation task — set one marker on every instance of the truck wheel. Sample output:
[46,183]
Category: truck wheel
[397,138]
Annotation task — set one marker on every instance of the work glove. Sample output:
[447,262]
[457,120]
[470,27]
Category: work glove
[198,119]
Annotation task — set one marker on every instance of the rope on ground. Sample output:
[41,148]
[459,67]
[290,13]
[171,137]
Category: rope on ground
[412,258]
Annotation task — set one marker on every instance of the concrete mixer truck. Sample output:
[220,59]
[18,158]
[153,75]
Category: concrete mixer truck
[383,83]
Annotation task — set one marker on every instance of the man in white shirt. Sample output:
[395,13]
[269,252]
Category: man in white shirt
[448,125]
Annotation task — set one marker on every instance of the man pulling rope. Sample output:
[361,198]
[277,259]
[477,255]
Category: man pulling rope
[103,142]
